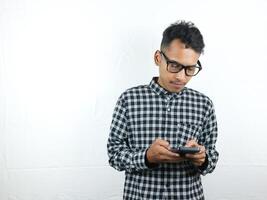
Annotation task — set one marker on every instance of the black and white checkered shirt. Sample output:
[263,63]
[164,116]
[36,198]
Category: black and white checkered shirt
[147,112]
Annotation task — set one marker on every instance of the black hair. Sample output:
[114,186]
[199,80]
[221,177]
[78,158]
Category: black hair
[186,32]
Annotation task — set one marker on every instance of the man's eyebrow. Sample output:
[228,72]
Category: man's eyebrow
[174,61]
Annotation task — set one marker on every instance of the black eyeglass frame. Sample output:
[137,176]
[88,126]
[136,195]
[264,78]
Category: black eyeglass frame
[198,66]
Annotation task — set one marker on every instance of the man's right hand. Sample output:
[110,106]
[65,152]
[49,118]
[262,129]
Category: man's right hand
[159,152]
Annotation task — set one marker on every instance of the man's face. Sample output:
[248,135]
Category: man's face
[177,51]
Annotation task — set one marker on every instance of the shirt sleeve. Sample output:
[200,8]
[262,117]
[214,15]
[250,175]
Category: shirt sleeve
[121,156]
[208,139]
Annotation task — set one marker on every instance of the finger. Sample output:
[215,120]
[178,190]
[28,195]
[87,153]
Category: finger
[169,153]
[168,156]
[200,154]
[171,157]
[195,156]
[200,162]
[202,149]
[163,143]
[197,163]
[191,143]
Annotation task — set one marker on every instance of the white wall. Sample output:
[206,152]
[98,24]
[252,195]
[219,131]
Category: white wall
[64,63]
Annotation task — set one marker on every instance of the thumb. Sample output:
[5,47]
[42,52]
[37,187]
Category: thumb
[164,143]
[191,143]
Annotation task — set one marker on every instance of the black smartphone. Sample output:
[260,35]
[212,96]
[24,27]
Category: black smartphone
[185,150]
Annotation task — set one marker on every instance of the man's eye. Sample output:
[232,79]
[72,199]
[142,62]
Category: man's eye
[174,65]
[191,68]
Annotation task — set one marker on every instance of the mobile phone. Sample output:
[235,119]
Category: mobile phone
[185,150]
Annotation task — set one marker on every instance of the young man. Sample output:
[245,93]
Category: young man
[151,121]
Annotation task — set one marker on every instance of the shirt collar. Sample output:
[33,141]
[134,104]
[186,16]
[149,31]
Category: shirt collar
[161,91]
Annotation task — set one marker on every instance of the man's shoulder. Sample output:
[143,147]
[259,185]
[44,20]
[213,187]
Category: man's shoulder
[140,90]
[197,95]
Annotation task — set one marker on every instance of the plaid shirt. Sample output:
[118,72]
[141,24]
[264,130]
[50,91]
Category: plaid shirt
[147,112]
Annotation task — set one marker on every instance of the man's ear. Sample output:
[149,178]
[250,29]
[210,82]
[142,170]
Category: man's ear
[157,58]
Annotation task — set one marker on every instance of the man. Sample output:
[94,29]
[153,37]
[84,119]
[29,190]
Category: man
[150,121]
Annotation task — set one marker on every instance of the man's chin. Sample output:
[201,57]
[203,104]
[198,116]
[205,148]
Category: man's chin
[176,88]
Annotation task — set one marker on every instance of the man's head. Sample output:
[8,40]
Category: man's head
[181,46]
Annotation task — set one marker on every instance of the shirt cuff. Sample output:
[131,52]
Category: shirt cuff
[138,162]
[204,166]
[148,164]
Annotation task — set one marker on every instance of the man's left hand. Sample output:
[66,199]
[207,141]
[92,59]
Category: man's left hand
[198,158]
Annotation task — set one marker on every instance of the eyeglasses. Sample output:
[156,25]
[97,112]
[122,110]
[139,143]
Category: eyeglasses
[175,67]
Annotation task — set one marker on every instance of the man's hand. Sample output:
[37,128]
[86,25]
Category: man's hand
[198,158]
[159,152]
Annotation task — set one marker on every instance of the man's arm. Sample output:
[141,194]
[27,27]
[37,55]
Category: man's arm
[208,140]
[121,156]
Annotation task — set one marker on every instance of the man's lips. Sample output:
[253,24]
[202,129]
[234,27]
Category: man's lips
[177,83]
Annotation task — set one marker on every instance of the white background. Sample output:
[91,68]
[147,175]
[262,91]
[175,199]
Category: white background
[63,65]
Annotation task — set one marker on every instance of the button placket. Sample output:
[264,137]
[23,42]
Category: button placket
[167,100]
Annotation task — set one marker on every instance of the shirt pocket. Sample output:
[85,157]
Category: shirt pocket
[185,132]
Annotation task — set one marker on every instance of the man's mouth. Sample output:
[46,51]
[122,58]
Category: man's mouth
[177,83]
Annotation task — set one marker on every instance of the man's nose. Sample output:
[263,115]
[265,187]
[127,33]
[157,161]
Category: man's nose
[181,75]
